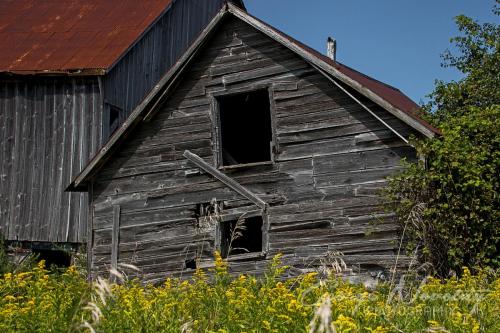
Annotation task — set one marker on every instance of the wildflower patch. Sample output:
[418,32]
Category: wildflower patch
[43,301]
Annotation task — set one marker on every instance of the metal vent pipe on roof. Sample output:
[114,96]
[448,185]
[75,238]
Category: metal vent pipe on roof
[331,45]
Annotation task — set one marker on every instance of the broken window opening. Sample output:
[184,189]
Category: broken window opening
[114,119]
[241,236]
[190,264]
[212,208]
[245,128]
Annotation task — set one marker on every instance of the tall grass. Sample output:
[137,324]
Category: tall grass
[39,301]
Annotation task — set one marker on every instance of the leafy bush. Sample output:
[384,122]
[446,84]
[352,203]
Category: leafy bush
[41,302]
[449,208]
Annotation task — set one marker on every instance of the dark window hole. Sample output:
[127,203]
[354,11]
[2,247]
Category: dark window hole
[246,133]
[241,236]
[114,119]
[190,264]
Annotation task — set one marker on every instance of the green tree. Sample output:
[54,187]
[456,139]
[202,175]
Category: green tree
[478,59]
[449,206]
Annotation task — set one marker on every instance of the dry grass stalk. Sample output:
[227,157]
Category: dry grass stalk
[322,320]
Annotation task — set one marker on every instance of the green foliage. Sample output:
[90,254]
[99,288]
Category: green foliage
[38,301]
[478,59]
[450,207]
[5,264]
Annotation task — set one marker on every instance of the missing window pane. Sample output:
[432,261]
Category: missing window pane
[241,236]
[190,264]
[246,133]
[114,119]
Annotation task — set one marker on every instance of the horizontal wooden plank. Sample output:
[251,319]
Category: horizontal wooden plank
[354,177]
[379,158]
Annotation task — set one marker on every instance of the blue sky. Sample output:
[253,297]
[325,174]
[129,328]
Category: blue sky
[396,41]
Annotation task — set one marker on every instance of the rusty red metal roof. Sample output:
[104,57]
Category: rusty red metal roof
[39,36]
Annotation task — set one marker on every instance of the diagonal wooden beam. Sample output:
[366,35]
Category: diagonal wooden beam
[226,180]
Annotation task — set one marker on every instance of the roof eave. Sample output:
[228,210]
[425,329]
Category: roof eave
[62,72]
[239,3]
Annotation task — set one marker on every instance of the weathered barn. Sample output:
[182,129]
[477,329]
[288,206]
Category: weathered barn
[70,72]
[252,144]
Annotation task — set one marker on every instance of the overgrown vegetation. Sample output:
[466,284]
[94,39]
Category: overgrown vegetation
[449,206]
[5,264]
[40,301]
[449,212]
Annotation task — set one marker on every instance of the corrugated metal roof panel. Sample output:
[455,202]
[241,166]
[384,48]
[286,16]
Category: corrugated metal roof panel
[70,35]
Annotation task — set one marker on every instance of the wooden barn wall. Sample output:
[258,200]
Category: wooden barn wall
[332,159]
[49,128]
[147,61]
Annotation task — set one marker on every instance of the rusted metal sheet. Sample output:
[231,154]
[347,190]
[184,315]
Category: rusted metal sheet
[71,36]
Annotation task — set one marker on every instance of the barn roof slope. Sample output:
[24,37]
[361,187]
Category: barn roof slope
[66,36]
[389,98]
[71,35]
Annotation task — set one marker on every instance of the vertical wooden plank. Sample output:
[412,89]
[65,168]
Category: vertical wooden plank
[36,158]
[265,231]
[115,238]
[90,226]
[216,139]
[73,156]
[55,105]
[85,128]
[9,139]
[46,152]
[63,161]
[27,163]
[4,158]
[272,111]
[17,148]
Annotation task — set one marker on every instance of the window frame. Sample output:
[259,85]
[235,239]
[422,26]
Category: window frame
[109,107]
[216,125]
[228,218]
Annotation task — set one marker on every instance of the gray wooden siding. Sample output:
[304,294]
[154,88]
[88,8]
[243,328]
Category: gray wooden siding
[332,159]
[151,57]
[49,129]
